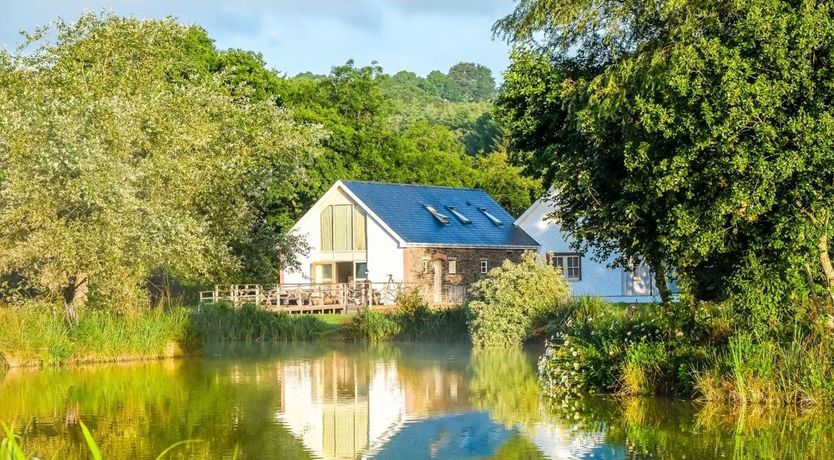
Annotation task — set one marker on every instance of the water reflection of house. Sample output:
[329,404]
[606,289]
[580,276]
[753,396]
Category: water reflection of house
[341,409]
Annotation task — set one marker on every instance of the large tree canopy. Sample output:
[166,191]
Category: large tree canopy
[121,156]
[384,128]
[693,134]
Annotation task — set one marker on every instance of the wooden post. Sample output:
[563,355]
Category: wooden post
[216,297]
[257,295]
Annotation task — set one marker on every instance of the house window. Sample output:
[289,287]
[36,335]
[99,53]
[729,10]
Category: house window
[426,265]
[323,273]
[453,266]
[361,270]
[570,264]
[484,266]
[342,228]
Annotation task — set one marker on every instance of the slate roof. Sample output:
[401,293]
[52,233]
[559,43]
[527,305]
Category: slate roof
[402,208]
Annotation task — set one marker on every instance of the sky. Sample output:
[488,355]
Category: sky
[311,35]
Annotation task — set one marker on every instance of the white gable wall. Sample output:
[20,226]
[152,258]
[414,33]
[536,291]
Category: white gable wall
[598,279]
[384,254]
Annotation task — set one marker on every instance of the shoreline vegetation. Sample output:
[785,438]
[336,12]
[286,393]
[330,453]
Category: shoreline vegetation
[590,346]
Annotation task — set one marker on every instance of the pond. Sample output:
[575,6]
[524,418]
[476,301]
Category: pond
[338,401]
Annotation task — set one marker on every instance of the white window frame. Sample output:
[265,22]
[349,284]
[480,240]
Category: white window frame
[561,260]
[426,265]
[484,266]
[453,266]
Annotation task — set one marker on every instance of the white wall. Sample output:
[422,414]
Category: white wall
[384,254]
[598,279]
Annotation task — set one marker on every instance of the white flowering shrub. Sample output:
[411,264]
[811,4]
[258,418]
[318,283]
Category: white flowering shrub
[601,347]
[505,304]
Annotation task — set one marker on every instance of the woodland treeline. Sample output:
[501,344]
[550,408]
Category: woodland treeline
[134,152]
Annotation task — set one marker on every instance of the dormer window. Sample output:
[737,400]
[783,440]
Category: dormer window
[491,218]
[442,218]
[463,219]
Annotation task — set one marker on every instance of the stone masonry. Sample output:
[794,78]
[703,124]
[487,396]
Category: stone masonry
[468,261]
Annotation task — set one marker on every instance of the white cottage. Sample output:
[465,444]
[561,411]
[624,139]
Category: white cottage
[586,276]
[440,239]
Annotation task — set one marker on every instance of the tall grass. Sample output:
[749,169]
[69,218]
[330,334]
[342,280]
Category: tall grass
[411,320]
[32,335]
[766,372]
[222,323]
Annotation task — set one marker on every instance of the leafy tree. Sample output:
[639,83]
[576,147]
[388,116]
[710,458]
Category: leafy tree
[439,84]
[474,80]
[506,182]
[245,73]
[689,134]
[120,160]
[369,139]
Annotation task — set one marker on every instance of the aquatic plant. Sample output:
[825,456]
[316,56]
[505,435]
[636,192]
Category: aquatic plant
[412,319]
[10,448]
[221,322]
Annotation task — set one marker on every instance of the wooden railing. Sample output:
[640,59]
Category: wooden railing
[327,297]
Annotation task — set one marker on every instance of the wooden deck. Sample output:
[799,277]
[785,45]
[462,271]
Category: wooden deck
[323,298]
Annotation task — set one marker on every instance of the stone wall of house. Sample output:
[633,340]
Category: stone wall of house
[468,261]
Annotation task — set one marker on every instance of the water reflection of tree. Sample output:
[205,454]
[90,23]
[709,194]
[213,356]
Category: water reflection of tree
[504,383]
[139,410]
[659,428]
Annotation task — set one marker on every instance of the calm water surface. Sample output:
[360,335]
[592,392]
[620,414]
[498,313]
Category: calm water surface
[337,401]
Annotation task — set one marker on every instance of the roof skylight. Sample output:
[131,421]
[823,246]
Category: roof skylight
[442,218]
[492,218]
[463,219]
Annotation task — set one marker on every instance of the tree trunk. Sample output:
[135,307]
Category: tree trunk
[75,296]
[660,280]
[825,262]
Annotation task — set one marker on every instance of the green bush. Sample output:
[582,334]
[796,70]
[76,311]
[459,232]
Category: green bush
[372,326]
[505,305]
[597,346]
[411,320]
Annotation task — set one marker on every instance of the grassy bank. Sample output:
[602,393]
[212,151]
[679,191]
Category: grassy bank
[33,335]
[682,351]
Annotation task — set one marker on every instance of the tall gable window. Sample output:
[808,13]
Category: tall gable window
[342,228]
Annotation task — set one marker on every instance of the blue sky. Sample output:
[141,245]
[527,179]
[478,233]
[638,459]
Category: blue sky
[314,35]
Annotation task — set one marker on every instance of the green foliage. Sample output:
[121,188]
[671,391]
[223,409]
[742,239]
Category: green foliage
[474,81]
[601,347]
[122,158]
[692,135]
[223,323]
[769,372]
[411,320]
[11,450]
[34,334]
[504,306]
[419,322]
[371,326]
[384,128]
